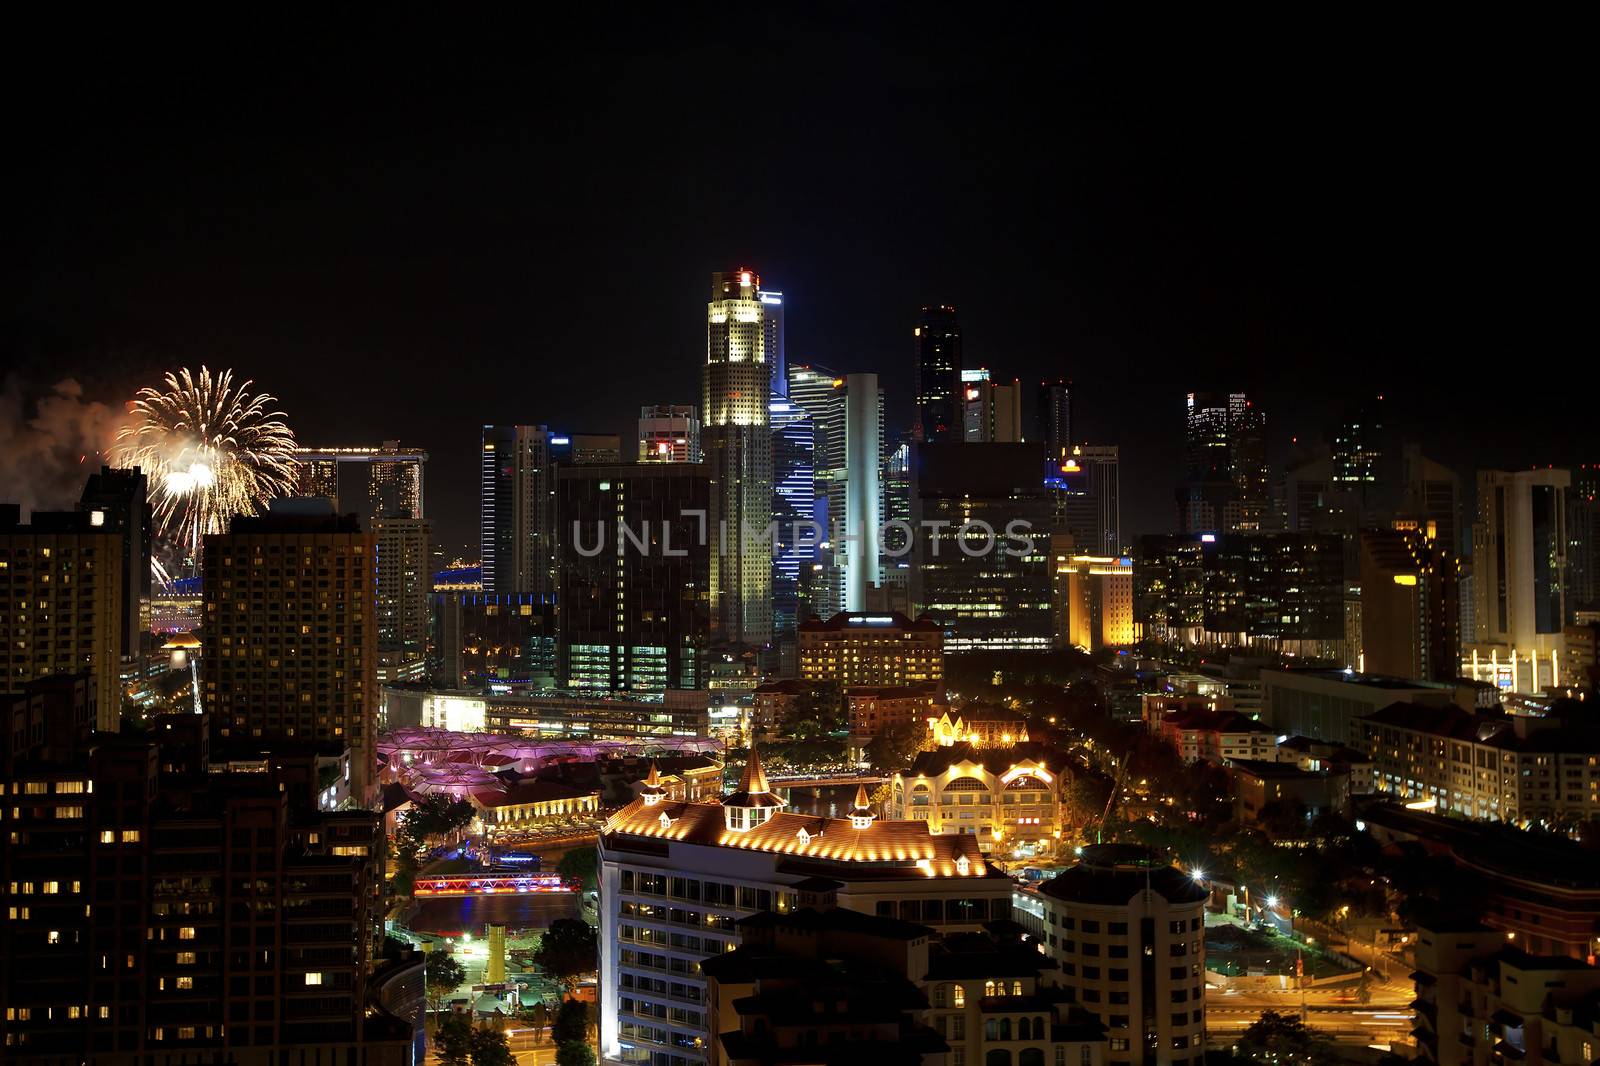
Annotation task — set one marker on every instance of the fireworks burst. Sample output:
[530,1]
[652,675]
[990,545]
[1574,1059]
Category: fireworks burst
[210,449]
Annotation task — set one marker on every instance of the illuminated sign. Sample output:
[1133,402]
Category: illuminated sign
[1208,538]
[1405,579]
[873,620]
[560,440]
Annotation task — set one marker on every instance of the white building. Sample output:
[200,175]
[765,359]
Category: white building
[675,877]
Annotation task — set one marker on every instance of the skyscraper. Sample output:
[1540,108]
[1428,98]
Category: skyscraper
[793,503]
[938,344]
[863,485]
[738,450]
[1226,481]
[516,510]
[772,327]
[289,599]
[1053,415]
[386,480]
[120,498]
[1087,486]
[669,433]
[405,578]
[1519,564]
[61,602]
[633,611]
[991,412]
[1410,607]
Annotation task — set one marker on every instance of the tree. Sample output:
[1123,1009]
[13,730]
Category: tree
[538,1018]
[489,1047]
[1281,1038]
[815,714]
[568,949]
[442,976]
[572,1023]
[574,1053]
[895,747]
[581,865]
[453,1040]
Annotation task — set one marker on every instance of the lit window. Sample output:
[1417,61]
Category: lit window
[186,982]
[108,836]
[186,933]
[51,888]
[960,996]
[185,958]
[313,978]
[54,936]
[130,836]
[105,1012]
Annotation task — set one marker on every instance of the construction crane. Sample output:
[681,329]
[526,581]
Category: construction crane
[1116,786]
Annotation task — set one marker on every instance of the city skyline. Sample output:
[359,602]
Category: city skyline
[231,234]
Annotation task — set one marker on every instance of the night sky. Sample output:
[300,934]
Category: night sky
[408,229]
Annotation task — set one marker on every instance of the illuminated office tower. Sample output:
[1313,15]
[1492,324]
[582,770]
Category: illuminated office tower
[386,480]
[849,463]
[863,487]
[1519,569]
[633,614]
[736,438]
[1410,606]
[938,344]
[1226,483]
[1086,478]
[991,413]
[813,389]
[669,433]
[1053,415]
[517,510]
[772,327]
[405,578]
[793,503]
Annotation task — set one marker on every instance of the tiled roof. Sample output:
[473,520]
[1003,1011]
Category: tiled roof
[994,760]
[905,844]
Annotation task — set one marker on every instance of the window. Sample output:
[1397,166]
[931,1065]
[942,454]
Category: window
[130,836]
[108,836]
[186,933]
[959,995]
[185,958]
[54,936]
[313,978]
[186,982]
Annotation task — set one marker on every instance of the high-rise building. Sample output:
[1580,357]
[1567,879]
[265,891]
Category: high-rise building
[813,389]
[1410,610]
[794,499]
[729,861]
[120,498]
[1093,599]
[481,639]
[772,326]
[386,480]
[1519,565]
[853,649]
[1281,590]
[938,345]
[1053,416]
[863,488]
[1226,480]
[292,644]
[134,895]
[585,449]
[991,412]
[517,511]
[1583,540]
[736,437]
[1128,931]
[1086,481]
[669,433]
[982,516]
[633,609]
[61,610]
[404,580]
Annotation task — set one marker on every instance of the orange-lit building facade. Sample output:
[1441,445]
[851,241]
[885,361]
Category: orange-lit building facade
[1007,798]
[858,648]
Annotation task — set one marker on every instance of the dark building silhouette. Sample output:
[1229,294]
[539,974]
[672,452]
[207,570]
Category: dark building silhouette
[939,403]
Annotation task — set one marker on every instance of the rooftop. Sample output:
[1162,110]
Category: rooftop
[866,622]
[894,844]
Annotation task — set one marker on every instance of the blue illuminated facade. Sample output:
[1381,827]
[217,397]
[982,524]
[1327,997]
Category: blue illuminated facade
[793,500]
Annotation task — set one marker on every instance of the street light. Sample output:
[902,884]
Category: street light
[1272,903]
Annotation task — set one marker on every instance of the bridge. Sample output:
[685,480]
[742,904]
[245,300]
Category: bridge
[488,884]
[827,782]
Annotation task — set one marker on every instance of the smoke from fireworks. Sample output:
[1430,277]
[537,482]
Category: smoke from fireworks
[210,450]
